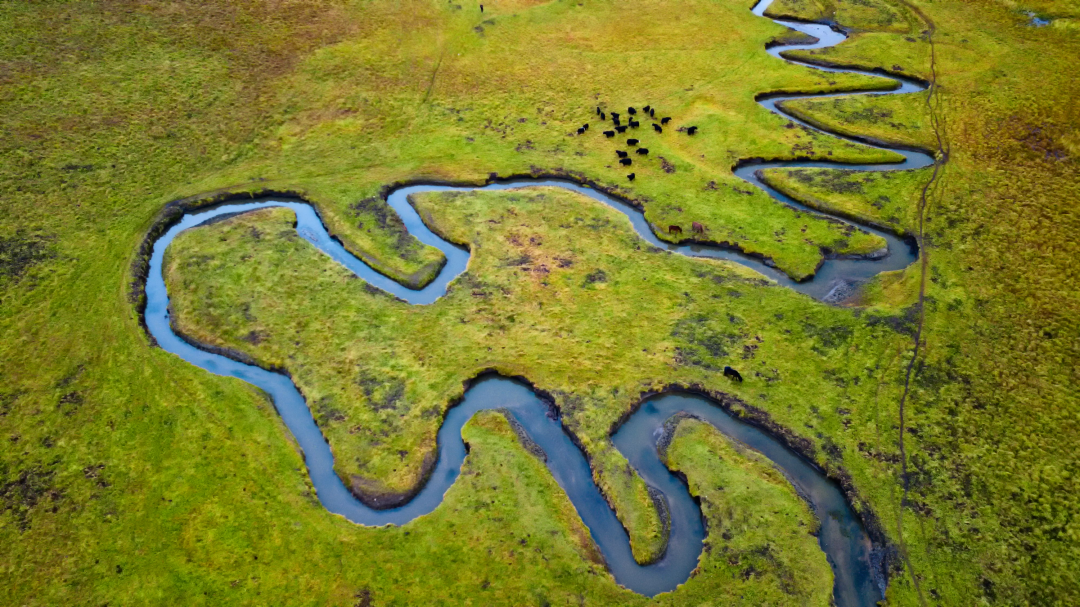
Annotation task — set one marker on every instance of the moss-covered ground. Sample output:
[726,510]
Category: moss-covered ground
[129,477]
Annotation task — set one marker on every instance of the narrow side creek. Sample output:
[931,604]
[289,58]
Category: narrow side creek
[858,581]
[837,277]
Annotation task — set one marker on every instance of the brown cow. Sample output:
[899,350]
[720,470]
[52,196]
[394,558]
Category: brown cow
[673,229]
[698,228]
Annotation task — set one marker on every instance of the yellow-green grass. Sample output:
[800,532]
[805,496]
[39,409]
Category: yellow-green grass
[884,35]
[902,54]
[112,109]
[422,95]
[897,120]
[887,199]
[876,15]
[993,405]
[753,514]
[551,272]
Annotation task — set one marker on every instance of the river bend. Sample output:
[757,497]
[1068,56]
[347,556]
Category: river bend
[841,536]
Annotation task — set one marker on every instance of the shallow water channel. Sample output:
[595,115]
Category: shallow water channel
[842,537]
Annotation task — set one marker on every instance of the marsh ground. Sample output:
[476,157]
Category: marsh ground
[128,476]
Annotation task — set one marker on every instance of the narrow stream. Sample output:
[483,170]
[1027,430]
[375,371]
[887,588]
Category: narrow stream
[842,538]
[837,276]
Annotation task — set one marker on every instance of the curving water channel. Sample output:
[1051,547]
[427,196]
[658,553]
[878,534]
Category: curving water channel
[849,550]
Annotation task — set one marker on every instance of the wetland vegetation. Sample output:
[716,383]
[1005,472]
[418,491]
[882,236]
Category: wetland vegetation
[943,396]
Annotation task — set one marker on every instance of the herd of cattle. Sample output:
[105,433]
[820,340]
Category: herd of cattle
[624,157]
[619,128]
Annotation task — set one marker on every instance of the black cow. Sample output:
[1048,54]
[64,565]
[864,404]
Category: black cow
[609,134]
[652,113]
[585,126]
[647,108]
[625,162]
[631,111]
[581,131]
[656,127]
[603,116]
[665,120]
[621,129]
[635,124]
[631,176]
[691,130]
[615,121]
[631,142]
[620,153]
[598,112]
[732,373]
[643,151]
[614,115]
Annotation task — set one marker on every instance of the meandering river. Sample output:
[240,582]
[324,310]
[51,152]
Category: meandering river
[841,537]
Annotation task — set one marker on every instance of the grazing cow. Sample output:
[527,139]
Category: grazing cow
[647,108]
[656,127]
[614,115]
[615,121]
[631,142]
[674,229]
[697,228]
[652,113]
[733,374]
[481,8]
[621,129]
[635,124]
[603,116]
[621,154]
[585,126]
[609,134]
[581,131]
[625,162]
[631,176]
[631,111]
[665,120]
[691,130]
[598,112]
[643,151]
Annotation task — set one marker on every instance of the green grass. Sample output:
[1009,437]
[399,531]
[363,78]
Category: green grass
[993,407]
[887,199]
[758,525]
[356,132]
[551,271]
[875,15]
[112,109]
[897,120]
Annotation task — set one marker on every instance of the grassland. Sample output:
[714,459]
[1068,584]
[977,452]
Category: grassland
[732,483]
[551,271]
[870,15]
[129,477]
[992,407]
[436,109]
[895,120]
[888,200]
